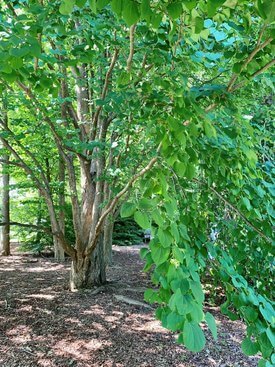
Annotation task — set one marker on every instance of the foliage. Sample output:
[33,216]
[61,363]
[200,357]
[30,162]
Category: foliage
[127,232]
[166,101]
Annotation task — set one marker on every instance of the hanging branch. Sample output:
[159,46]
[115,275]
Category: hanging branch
[237,211]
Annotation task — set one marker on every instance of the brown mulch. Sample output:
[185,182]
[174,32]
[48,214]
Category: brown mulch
[42,324]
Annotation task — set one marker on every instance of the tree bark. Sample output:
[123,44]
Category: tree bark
[5,209]
[59,253]
[88,272]
[5,193]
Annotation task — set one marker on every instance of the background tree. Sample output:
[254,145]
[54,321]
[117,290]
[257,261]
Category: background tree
[5,235]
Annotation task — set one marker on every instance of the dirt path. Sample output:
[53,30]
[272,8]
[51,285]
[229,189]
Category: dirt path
[42,324]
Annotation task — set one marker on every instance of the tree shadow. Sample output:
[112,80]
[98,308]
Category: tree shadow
[43,324]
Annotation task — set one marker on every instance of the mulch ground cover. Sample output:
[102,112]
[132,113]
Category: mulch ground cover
[43,324]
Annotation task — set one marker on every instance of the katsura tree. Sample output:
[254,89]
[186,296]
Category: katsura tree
[150,91]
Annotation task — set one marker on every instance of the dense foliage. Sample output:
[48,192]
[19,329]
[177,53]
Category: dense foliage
[174,94]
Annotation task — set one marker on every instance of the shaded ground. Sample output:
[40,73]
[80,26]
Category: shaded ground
[42,324]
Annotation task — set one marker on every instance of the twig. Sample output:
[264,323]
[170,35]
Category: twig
[247,61]
[26,225]
[258,72]
[132,49]
[104,92]
[236,210]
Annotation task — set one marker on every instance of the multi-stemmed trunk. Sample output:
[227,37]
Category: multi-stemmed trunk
[89,271]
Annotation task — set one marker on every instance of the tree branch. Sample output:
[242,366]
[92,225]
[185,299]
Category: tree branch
[27,225]
[29,154]
[237,211]
[258,48]
[27,169]
[111,206]
[104,92]
[258,72]
[132,49]
[11,163]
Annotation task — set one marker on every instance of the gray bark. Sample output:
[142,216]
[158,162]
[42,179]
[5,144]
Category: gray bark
[5,194]
[59,253]
[5,210]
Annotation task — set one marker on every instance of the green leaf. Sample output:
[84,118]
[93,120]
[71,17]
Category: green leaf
[159,254]
[174,9]
[165,237]
[198,24]
[271,336]
[100,4]
[155,20]
[197,291]
[183,232]
[145,203]
[142,220]
[211,323]
[193,337]
[127,210]
[231,4]
[180,168]
[265,345]
[156,216]
[252,156]
[92,4]
[209,129]
[174,321]
[196,312]
[178,255]
[247,203]
[143,252]
[190,171]
[213,5]
[262,363]
[145,10]
[249,348]
[130,12]
[151,296]
[117,6]
[66,7]
[267,310]
[250,314]
[80,3]
[20,52]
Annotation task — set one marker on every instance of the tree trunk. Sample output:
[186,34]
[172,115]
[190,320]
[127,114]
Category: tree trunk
[89,272]
[5,210]
[5,193]
[59,253]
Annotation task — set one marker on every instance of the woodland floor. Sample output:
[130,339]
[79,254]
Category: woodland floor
[42,324]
